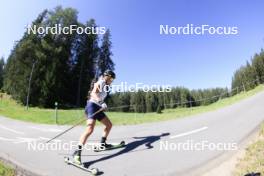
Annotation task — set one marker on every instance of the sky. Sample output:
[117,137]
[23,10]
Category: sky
[141,54]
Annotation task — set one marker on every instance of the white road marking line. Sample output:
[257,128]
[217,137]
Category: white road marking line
[46,130]
[19,140]
[189,132]
[44,138]
[6,139]
[11,130]
[24,140]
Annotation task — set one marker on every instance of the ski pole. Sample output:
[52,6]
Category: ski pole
[74,126]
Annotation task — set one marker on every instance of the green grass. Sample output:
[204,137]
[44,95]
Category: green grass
[6,171]
[253,161]
[11,109]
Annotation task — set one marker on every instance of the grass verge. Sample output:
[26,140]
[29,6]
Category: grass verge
[6,171]
[11,109]
[253,161]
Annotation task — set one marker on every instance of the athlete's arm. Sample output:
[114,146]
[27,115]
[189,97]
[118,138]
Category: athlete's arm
[95,92]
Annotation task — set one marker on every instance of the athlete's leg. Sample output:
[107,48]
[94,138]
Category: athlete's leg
[108,125]
[88,131]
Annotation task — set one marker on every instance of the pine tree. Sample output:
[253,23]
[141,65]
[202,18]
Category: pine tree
[86,51]
[159,109]
[105,61]
[258,66]
[50,54]
[2,65]
[19,63]
[138,101]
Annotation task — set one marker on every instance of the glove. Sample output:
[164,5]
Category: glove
[104,106]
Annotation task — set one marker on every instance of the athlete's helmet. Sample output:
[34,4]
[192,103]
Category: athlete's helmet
[110,73]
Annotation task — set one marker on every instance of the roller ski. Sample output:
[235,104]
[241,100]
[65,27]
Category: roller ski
[105,146]
[93,171]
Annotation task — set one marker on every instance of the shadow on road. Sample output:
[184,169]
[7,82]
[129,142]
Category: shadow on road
[147,141]
[253,174]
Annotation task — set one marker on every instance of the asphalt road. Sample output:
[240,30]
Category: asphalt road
[175,147]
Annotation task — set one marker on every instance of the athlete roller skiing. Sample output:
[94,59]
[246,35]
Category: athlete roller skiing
[94,111]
